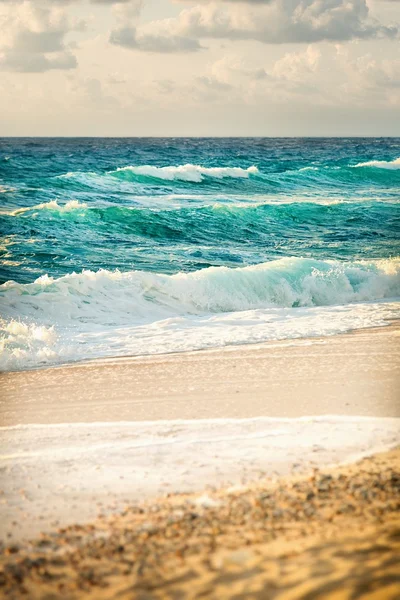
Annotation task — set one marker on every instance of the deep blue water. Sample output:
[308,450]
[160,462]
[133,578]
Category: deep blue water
[170,206]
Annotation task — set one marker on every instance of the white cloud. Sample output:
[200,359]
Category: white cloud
[274,22]
[328,78]
[330,84]
[33,38]
[146,38]
[297,66]
[367,77]
[149,41]
[294,74]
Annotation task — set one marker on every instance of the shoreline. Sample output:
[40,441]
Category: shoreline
[335,530]
[394,322]
[92,439]
[355,373]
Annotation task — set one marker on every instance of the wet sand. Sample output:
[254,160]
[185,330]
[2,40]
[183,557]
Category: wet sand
[350,374]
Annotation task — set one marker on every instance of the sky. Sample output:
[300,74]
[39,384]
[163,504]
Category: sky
[184,68]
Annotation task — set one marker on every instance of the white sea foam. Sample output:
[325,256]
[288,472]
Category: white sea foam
[19,343]
[105,296]
[193,173]
[95,314]
[71,205]
[381,164]
[188,333]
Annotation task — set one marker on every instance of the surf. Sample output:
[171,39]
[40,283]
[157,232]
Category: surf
[119,298]
[381,164]
[115,247]
[190,173]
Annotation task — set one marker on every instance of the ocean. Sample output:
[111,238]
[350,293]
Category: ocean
[142,246]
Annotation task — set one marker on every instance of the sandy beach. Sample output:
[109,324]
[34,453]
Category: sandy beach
[349,374]
[99,456]
[89,439]
[335,533]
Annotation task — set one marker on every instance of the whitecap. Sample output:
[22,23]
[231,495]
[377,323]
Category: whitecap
[381,164]
[109,313]
[188,172]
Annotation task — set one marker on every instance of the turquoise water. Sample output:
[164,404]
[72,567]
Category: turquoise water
[121,246]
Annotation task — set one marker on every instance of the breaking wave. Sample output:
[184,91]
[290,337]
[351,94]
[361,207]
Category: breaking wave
[292,179]
[109,313]
[319,217]
[381,164]
[116,298]
[70,206]
[191,173]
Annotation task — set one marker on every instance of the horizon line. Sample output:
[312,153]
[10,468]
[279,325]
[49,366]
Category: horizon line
[227,137]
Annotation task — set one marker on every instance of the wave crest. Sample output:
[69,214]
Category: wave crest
[188,172]
[381,164]
[19,341]
[70,206]
[109,313]
[112,297]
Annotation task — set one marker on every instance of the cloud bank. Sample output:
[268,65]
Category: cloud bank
[268,22]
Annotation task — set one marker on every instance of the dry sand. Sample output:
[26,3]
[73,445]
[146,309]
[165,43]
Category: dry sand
[334,534]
